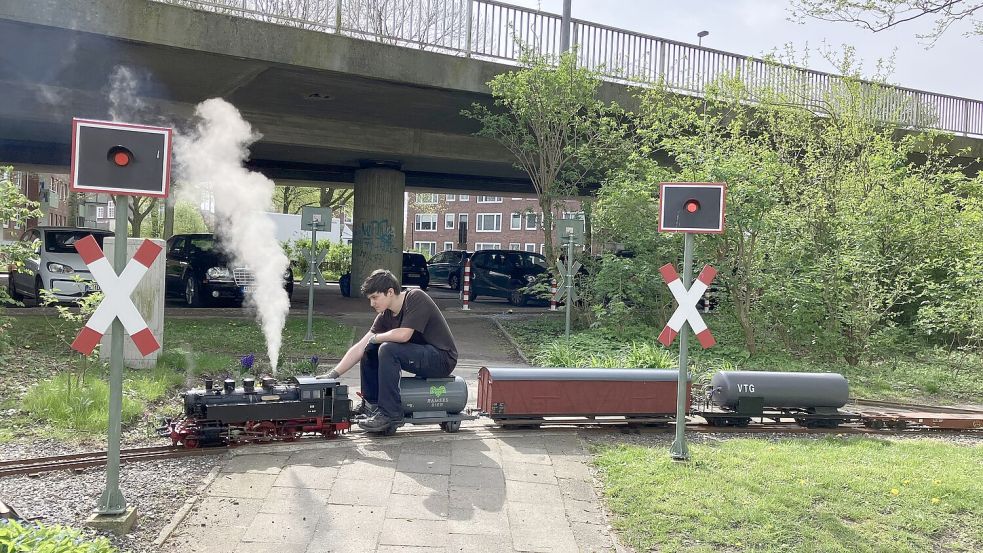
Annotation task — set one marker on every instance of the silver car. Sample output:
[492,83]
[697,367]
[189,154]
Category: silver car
[55,265]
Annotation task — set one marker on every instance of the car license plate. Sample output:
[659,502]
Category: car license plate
[413,275]
[245,289]
[92,286]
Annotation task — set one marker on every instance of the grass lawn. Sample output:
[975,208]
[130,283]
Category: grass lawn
[41,385]
[928,375]
[826,495]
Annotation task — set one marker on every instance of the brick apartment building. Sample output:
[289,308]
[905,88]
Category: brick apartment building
[438,222]
[51,191]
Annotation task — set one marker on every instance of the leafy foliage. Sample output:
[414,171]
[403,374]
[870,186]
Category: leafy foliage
[16,537]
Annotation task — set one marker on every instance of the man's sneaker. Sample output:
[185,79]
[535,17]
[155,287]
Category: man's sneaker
[365,409]
[379,422]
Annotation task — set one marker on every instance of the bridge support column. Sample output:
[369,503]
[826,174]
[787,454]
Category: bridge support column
[377,232]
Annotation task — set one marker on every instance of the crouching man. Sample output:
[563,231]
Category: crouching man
[408,334]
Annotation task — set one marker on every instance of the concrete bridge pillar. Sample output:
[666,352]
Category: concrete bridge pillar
[377,232]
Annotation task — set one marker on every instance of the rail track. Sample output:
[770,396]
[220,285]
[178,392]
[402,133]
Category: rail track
[79,461]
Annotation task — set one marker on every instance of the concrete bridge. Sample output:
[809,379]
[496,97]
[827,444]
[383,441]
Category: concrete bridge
[344,96]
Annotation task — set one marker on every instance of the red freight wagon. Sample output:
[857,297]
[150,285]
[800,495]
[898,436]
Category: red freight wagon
[521,393]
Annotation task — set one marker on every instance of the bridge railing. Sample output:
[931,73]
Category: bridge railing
[495,30]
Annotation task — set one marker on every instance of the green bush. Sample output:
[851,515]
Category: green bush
[596,350]
[336,263]
[19,538]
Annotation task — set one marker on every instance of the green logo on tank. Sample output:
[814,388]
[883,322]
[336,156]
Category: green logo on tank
[437,391]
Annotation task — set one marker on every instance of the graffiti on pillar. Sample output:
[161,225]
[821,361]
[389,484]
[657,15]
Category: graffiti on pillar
[377,235]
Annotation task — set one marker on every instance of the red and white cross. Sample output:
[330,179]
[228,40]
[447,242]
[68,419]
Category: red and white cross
[117,302]
[687,299]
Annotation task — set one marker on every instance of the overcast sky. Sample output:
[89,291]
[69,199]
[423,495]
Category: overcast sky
[756,27]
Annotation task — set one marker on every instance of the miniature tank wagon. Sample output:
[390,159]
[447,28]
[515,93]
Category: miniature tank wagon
[528,395]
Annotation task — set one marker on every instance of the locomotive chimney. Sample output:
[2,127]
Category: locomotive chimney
[208,384]
[268,383]
[230,385]
[248,385]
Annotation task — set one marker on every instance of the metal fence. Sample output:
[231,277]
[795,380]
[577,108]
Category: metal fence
[498,31]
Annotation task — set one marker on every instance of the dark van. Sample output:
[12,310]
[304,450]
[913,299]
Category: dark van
[448,267]
[504,273]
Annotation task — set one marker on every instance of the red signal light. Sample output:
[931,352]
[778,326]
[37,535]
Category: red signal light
[692,206]
[120,156]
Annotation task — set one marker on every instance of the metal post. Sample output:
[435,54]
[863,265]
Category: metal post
[679,450]
[337,16]
[467,36]
[565,27]
[112,501]
[569,279]
[311,267]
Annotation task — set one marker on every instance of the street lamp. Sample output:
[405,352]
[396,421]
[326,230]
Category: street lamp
[700,36]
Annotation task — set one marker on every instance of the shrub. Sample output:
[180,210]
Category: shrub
[17,538]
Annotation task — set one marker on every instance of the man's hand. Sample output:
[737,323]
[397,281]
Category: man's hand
[333,374]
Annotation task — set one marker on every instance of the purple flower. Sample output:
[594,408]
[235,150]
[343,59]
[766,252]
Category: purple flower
[314,361]
[247,361]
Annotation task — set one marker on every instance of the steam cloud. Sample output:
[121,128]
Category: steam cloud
[210,158]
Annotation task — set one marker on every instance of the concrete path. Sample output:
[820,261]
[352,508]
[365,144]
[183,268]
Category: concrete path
[477,491]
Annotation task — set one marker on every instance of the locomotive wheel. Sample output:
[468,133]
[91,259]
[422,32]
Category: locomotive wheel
[288,433]
[450,426]
[191,443]
[263,432]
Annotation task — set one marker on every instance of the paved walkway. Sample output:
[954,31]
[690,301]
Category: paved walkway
[479,490]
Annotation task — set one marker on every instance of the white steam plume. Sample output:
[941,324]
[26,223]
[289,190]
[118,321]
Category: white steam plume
[124,103]
[211,158]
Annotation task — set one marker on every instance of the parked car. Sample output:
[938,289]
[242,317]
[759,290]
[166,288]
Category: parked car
[55,265]
[415,273]
[504,274]
[199,271]
[448,266]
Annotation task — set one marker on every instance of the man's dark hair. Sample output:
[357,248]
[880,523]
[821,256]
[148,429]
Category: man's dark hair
[380,281]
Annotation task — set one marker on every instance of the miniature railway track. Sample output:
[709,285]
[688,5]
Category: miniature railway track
[78,461]
[913,407]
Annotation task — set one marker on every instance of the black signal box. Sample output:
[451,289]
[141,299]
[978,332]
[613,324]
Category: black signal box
[120,158]
[696,207]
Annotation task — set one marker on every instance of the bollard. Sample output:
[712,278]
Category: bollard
[553,294]
[466,287]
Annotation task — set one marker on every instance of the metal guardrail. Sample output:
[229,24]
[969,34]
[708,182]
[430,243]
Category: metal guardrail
[499,31]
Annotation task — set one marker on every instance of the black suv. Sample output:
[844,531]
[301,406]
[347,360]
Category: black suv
[448,266]
[415,273]
[199,271]
[504,274]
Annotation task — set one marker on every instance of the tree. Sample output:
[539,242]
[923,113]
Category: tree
[138,209]
[880,15]
[17,209]
[547,116]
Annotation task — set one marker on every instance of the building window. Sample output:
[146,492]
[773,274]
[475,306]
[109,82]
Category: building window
[462,218]
[448,220]
[427,248]
[516,221]
[542,249]
[464,197]
[489,222]
[489,199]
[578,215]
[452,197]
[448,246]
[532,221]
[514,245]
[100,212]
[426,221]
[111,209]
[487,246]
[530,247]
[426,199]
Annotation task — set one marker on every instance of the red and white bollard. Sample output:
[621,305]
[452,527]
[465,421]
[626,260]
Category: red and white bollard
[553,294]
[466,287]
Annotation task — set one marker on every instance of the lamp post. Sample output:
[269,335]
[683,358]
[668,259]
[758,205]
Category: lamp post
[700,36]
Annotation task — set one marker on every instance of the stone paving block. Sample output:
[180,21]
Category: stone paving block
[361,492]
[476,457]
[430,448]
[420,533]
[415,462]
[476,477]
[377,452]
[260,547]
[476,521]
[522,446]
[307,476]
[404,549]
[583,511]
[242,485]
[577,489]
[412,483]
[563,445]
[277,528]
[592,538]
[570,469]
[488,499]
[367,470]
[347,529]
[322,457]
[529,472]
[539,528]
[422,507]
[198,543]
[263,463]
[215,514]
[472,543]
[529,492]
[294,500]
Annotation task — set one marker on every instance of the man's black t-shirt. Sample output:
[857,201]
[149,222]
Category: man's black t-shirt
[420,313]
